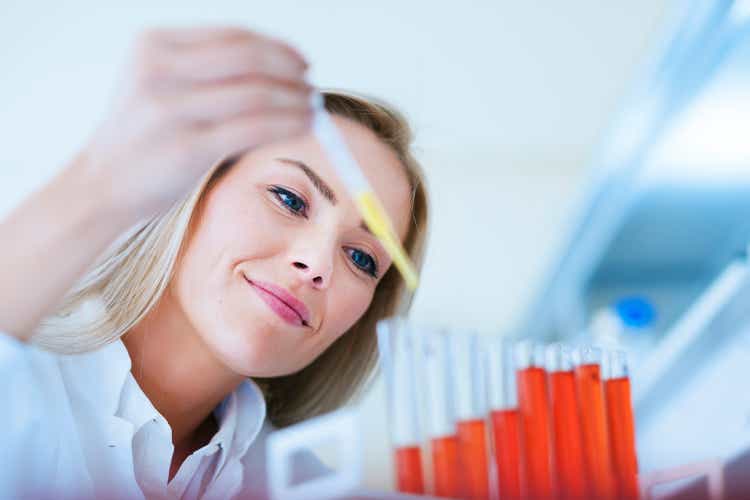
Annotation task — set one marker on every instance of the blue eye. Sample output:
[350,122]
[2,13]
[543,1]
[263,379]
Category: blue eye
[291,201]
[363,261]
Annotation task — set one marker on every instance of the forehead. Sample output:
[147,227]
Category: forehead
[380,165]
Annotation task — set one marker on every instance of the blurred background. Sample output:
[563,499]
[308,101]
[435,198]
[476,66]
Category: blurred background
[509,101]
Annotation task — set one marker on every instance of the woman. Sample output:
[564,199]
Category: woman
[223,302]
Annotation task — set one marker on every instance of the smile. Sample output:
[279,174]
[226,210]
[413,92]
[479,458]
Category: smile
[284,304]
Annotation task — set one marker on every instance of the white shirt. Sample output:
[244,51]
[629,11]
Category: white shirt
[79,426]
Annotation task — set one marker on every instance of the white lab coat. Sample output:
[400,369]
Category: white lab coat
[80,427]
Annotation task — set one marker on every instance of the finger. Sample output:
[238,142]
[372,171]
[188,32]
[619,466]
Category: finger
[236,59]
[221,101]
[291,50]
[251,131]
[187,36]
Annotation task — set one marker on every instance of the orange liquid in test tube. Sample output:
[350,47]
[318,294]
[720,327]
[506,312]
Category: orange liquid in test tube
[596,449]
[398,344]
[622,437]
[409,470]
[472,452]
[535,424]
[507,434]
[568,448]
[445,466]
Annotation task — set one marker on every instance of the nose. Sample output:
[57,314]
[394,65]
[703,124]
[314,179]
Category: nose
[316,270]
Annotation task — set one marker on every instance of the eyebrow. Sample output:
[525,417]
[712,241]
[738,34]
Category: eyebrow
[323,188]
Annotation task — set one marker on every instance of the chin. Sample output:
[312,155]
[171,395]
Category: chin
[253,353]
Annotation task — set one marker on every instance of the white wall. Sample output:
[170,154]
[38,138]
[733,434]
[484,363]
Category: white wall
[507,98]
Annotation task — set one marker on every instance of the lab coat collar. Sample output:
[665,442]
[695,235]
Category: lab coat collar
[241,416]
[97,377]
[102,379]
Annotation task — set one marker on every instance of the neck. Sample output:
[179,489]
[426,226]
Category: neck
[176,370]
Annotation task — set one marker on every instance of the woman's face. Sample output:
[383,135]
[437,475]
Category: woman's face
[279,264]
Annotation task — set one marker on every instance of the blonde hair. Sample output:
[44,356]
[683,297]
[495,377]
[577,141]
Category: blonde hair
[131,276]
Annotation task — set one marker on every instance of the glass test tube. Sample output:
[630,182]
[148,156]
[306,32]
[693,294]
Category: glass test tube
[596,449]
[533,405]
[568,459]
[441,421]
[398,345]
[621,426]
[505,421]
[469,392]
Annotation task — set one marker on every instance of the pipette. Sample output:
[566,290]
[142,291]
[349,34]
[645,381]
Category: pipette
[372,211]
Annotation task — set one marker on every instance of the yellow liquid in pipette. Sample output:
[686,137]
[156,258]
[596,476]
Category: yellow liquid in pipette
[377,221]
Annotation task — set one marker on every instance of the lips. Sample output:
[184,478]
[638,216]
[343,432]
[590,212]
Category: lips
[283,303]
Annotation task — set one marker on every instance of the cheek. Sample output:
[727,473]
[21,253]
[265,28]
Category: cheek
[344,309]
[209,291]
[222,311]
[232,228]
